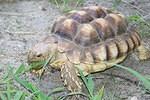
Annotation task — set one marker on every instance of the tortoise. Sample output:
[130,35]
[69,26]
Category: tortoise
[91,39]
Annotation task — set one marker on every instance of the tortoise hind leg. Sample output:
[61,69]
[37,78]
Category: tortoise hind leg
[70,76]
[143,53]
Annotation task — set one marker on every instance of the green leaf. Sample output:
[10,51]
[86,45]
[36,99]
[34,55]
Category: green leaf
[18,95]
[37,65]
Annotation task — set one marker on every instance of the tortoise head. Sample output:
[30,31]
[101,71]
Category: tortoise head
[41,52]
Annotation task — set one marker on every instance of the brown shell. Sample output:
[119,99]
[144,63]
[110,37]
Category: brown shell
[94,34]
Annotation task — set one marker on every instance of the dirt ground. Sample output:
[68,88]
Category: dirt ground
[24,22]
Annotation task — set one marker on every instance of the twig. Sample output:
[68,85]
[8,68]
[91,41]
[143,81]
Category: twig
[140,10]
[146,16]
[21,32]
[15,14]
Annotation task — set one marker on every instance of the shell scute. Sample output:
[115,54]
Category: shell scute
[99,52]
[136,39]
[86,56]
[103,28]
[122,46]
[111,49]
[68,29]
[81,16]
[95,11]
[74,55]
[118,22]
[64,45]
[87,35]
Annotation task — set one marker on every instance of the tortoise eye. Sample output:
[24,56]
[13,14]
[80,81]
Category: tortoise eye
[39,55]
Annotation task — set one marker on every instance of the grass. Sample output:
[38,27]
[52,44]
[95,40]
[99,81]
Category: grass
[67,5]
[8,90]
[142,24]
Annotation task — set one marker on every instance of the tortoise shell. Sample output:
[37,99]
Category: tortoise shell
[87,38]
[94,34]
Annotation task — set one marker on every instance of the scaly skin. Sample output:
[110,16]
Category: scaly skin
[143,53]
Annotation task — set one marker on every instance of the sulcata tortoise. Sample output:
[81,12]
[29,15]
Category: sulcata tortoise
[91,39]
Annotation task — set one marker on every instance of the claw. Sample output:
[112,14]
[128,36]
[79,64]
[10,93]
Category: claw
[39,72]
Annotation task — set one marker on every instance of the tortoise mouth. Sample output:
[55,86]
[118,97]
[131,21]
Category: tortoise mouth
[36,62]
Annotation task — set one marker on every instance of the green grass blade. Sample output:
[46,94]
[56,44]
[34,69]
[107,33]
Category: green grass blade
[2,97]
[90,84]
[8,92]
[26,84]
[85,82]
[9,73]
[32,89]
[100,94]
[20,69]
[58,89]
[145,81]
[18,95]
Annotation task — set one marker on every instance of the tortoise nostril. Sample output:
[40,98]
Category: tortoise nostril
[39,55]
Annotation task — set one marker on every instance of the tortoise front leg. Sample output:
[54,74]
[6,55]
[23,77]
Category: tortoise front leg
[143,53]
[70,76]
